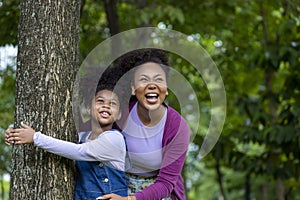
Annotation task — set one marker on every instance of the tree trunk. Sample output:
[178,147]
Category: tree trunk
[280,189]
[220,179]
[112,18]
[47,63]
[247,187]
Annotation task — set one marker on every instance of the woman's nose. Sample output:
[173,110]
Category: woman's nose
[152,86]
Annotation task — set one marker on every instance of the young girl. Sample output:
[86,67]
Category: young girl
[100,154]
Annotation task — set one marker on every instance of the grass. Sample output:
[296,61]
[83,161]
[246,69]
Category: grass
[4,196]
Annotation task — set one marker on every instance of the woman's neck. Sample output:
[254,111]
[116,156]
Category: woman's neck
[150,117]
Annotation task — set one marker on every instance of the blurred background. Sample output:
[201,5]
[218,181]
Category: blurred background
[256,46]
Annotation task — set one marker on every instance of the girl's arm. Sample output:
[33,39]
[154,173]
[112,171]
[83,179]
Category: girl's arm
[109,146]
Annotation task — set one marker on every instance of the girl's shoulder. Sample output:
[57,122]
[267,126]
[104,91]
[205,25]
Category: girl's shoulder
[82,136]
[112,131]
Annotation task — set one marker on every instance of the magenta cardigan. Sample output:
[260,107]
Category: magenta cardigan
[175,143]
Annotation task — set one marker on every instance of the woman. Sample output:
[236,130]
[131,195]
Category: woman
[157,136]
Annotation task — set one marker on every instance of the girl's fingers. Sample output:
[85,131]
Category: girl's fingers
[18,130]
[19,142]
[7,132]
[14,134]
[24,125]
[7,142]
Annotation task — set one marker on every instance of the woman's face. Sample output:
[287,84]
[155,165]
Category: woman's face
[150,85]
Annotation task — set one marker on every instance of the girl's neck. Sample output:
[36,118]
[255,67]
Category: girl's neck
[150,117]
[98,130]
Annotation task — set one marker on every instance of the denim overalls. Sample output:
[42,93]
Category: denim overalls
[94,179]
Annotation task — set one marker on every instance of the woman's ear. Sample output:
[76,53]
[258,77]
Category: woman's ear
[132,90]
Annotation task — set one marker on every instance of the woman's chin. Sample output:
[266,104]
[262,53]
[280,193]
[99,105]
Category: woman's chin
[152,107]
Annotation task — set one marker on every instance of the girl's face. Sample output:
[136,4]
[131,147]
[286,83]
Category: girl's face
[106,108]
[150,85]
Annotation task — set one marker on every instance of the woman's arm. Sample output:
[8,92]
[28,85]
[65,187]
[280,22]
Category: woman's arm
[174,154]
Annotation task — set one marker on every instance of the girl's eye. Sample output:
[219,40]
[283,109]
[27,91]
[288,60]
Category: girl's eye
[113,103]
[159,80]
[100,100]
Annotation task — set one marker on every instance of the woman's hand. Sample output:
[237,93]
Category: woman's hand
[19,135]
[116,197]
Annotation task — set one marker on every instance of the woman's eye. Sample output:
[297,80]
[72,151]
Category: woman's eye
[143,79]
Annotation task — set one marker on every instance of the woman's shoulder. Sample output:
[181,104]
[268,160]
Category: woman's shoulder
[173,115]
[176,129]
[175,121]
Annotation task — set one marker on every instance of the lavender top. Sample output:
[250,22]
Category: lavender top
[175,141]
[147,160]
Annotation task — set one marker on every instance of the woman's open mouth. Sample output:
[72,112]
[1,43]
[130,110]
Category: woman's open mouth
[152,97]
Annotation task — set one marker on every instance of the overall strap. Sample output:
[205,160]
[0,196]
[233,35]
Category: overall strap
[84,137]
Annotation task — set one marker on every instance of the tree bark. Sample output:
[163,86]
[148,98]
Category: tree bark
[220,179]
[47,63]
[247,187]
[112,18]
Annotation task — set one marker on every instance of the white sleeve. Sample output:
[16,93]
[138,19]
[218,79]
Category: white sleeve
[109,146]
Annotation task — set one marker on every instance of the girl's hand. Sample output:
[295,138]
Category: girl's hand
[22,135]
[7,136]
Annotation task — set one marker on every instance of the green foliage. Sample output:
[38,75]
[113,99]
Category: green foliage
[7,106]
[9,15]
[93,27]
[4,191]
[7,94]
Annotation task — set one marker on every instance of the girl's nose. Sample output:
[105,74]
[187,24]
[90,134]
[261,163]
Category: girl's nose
[106,104]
